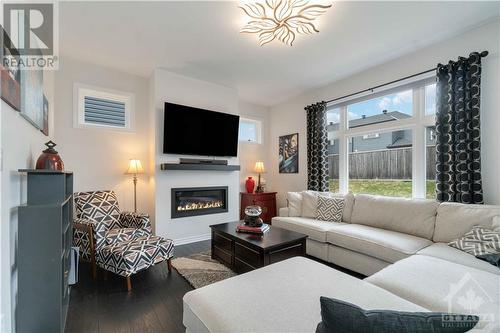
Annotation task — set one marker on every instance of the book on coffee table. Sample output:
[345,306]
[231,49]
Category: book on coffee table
[253,230]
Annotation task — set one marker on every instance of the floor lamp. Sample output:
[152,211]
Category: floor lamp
[134,168]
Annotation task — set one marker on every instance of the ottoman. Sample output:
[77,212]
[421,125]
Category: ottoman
[282,297]
[129,257]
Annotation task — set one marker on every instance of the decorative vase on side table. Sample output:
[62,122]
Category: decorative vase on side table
[50,159]
[250,185]
[266,200]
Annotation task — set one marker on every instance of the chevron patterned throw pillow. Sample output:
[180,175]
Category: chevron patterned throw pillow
[330,209]
[478,241]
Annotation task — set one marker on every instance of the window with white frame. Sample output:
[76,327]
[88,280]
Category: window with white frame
[102,108]
[385,141]
[250,130]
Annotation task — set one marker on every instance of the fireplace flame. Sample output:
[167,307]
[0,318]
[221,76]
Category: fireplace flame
[200,205]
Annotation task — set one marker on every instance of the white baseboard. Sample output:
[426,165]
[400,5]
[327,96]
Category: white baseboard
[192,239]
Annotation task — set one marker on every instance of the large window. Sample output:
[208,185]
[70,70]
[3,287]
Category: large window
[383,143]
[382,166]
[381,109]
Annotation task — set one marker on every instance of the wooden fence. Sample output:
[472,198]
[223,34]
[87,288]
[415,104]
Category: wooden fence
[383,164]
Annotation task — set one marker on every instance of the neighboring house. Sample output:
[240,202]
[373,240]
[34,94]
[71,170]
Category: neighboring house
[377,141]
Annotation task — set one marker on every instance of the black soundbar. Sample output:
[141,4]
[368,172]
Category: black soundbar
[202,161]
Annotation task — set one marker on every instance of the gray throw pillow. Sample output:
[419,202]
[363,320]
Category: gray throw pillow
[492,258]
[330,209]
[342,317]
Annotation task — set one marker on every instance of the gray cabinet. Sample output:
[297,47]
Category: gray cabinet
[45,233]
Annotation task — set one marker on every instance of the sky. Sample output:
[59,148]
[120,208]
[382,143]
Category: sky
[247,131]
[401,101]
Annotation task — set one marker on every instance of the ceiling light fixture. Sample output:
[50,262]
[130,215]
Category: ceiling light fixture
[281,19]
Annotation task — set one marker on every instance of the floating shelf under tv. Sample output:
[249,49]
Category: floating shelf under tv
[206,167]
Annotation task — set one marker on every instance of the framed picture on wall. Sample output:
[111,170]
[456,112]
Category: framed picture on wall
[10,73]
[45,128]
[32,97]
[289,153]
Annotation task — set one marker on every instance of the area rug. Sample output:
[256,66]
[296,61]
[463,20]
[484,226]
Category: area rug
[200,269]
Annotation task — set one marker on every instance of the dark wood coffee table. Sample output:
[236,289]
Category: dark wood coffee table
[244,252]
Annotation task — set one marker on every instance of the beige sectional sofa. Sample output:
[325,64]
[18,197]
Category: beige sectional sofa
[400,244]
[379,231]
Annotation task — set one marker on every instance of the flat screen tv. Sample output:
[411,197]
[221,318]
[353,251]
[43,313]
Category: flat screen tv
[193,131]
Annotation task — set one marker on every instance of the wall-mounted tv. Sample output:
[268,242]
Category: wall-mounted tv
[192,131]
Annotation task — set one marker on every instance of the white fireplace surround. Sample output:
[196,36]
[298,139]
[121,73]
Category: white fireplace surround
[187,91]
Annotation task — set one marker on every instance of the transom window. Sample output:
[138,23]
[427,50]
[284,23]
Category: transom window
[384,143]
[250,130]
[102,108]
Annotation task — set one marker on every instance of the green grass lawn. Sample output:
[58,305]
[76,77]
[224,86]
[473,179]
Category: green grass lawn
[392,188]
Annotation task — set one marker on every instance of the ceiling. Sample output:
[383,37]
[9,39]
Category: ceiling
[202,40]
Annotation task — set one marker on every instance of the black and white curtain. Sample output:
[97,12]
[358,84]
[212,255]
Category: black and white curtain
[317,146]
[458,135]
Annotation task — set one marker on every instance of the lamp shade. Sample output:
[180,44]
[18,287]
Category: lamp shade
[134,167]
[259,167]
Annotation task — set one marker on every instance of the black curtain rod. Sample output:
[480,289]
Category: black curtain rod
[482,54]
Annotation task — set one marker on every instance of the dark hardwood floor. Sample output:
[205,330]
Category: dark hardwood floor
[154,305]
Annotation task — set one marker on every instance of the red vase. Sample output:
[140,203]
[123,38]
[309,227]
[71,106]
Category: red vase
[250,185]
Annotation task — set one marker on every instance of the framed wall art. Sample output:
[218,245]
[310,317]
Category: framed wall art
[289,153]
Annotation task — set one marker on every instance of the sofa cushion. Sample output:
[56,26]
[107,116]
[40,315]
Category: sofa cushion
[310,203]
[294,200]
[287,299]
[313,228]
[443,251]
[330,209]
[409,216]
[454,220]
[387,245]
[355,261]
[441,285]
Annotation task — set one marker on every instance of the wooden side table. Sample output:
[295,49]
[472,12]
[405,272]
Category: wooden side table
[266,200]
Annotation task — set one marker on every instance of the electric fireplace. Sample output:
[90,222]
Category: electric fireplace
[194,201]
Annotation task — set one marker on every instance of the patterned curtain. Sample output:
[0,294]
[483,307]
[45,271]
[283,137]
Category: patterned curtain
[317,146]
[458,145]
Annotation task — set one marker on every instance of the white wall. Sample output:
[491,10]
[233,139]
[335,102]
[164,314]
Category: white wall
[21,145]
[183,90]
[99,157]
[249,153]
[290,117]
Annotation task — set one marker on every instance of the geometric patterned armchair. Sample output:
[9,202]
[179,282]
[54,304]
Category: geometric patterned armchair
[120,242]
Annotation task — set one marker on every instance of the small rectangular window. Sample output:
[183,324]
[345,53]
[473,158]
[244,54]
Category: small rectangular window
[250,130]
[371,136]
[96,107]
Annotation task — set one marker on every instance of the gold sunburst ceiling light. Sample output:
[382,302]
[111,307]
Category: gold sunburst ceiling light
[281,19]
